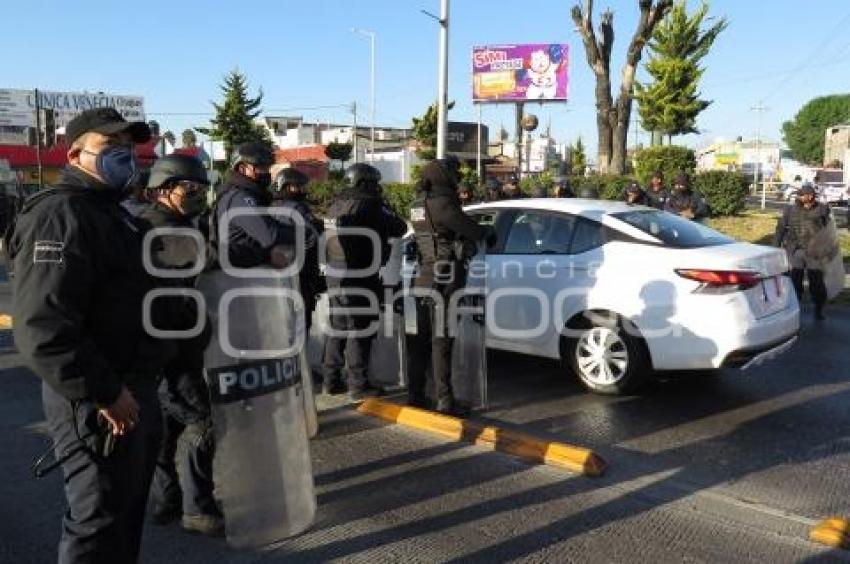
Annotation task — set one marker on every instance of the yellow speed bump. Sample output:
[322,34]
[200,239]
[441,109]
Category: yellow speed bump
[5,321]
[576,459]
[834,531]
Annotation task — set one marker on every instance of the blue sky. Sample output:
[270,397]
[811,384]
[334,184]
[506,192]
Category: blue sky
[309,63]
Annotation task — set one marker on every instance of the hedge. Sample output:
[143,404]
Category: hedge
[670,160]
[609,186]
[725,192]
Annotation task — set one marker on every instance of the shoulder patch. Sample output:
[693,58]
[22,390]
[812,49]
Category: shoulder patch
[49,252]
[417,214]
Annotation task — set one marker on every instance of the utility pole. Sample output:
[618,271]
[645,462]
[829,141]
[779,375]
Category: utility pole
[38,139]
[354,130]
[371,36]
[478,154]
[759,109]
[443,82]
[518,151]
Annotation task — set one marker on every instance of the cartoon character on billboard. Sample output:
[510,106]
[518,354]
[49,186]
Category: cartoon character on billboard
[542,70]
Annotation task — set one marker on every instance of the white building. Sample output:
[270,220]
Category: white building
[741,156]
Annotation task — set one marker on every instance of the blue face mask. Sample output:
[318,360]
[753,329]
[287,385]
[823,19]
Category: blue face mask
[117,167]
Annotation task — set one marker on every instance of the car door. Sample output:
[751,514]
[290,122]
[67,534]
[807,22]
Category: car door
[540,277]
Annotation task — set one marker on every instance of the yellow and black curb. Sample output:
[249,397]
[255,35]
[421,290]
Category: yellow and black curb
[573,458]
[834,532]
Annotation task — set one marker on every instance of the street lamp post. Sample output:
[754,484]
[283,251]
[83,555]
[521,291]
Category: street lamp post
[443,77]
[371,36]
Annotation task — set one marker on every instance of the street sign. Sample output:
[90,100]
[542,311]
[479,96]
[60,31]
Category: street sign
[17,107]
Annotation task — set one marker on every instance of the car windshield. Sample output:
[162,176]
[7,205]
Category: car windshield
[673,230]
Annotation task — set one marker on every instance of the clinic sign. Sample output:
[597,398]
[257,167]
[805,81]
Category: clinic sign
[17,107]
[515,73]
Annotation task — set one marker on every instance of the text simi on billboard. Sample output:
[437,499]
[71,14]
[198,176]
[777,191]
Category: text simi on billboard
[515,73]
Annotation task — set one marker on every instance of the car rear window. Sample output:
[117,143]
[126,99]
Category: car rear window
[673,230]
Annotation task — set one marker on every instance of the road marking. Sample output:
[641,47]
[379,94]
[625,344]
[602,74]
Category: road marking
[561,455]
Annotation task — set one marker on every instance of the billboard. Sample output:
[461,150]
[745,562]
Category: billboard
[514,73]
[17,107]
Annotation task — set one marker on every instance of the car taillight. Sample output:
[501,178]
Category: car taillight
[720,278]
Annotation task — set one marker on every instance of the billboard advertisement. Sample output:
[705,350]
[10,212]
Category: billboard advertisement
[17,107]
[514,73]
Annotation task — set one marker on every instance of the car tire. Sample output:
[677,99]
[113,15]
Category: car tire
[607,355]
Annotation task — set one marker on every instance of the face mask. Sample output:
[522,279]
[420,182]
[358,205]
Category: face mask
[193,205]
[263,180]
[117,167]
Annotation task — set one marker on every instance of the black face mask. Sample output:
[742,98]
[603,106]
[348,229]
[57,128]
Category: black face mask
[263,180]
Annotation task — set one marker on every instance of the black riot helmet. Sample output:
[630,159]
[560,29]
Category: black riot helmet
[361,175]
[253,153]
[289,177]
[174,168]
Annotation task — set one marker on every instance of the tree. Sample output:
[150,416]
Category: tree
[805,133]
[578,159]
[169,136]
[189,138]
[234,118]
[670,104]
[469,176]
[612,119]
[425,132]
[339,151]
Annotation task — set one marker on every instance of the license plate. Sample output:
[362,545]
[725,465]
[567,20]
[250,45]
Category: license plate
[772,288]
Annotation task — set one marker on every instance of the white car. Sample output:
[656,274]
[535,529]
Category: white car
[619,291]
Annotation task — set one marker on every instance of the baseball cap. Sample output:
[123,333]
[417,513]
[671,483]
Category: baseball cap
[107,121]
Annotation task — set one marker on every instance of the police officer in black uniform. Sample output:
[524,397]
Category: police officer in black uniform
[494,189]
[561,187]
[289,190]
[657,195]
[635,196]
[177,191]
[684,201]
[253,240]
[446,239]
[359,204]
[79,288]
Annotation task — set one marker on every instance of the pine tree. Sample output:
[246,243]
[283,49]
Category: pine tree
[671,103]
[234,118]
[425,132]
[169,136]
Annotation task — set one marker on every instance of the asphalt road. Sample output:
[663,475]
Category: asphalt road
[732,467]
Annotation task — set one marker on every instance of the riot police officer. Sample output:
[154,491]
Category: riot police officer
[657,195]
[79,290]
[446,239]
[635,196]
[494,189]
[800,225]
[177,191]
[684,201]
[289,190]
[357,205]
[252,240]
[464,194]
[561,187]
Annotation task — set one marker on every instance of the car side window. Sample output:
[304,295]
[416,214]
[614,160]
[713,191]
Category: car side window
[536,233]
[587,235]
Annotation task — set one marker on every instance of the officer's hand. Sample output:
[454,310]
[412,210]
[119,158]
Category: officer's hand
[123,414]
[280,257]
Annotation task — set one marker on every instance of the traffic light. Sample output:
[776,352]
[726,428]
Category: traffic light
[49,128]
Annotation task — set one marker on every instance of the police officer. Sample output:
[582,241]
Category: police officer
[657,194]
[799,225]
[359,205]
[685,202]
[635,196]
[289,190]
[511,190]
[446,239]
[253,240]
[79,289]
[561,187]
[177,190]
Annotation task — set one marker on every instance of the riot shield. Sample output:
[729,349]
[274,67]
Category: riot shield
[387,358]
[310,413]
[262,466]
[469,353]
[318,333]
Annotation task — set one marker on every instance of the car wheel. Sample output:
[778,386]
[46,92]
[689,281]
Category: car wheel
[606,357]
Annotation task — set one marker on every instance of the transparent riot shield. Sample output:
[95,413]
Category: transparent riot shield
[310,412]
[387,358]
[469,353]
[318,333]
[262,467]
